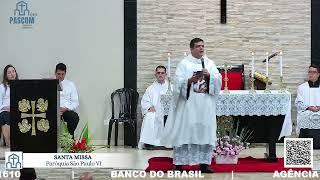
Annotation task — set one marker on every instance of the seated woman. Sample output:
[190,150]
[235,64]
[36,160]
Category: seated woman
[9,73]
[308,107]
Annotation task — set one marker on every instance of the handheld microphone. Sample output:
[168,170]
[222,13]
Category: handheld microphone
[202,62]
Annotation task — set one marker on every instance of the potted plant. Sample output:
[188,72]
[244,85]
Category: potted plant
[69,145]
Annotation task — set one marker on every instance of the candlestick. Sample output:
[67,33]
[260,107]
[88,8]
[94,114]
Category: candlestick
[281,64]
[169,70]
[226,67]
[252,64]
[267,64]
[252,90]
[267,90]
[282,86]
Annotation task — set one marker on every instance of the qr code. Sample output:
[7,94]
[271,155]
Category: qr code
[298,152]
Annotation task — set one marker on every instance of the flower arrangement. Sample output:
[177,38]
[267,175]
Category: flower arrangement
[69,145]
[229,146]
[81,146]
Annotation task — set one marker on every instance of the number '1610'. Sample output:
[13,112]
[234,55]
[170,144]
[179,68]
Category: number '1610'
[10,174]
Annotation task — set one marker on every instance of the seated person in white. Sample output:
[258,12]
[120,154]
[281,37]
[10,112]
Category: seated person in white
[69,100]
[308,107]
[9,73]
[153,118]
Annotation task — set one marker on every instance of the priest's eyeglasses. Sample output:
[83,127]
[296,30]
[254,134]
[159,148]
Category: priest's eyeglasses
[312,72]
[161,72]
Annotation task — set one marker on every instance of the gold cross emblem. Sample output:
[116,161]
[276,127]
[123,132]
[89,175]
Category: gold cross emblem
[42,124]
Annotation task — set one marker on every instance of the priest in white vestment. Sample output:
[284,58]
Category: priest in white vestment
[153,117]
[191,124]
[308,106]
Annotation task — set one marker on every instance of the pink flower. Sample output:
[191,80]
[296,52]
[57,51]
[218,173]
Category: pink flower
[228,147]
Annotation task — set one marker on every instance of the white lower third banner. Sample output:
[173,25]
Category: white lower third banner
[78,160]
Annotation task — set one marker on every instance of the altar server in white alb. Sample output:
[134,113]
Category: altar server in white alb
[191,124]
[308,107]
[69,100]
[153,117]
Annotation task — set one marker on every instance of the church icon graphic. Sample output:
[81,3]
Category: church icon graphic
[22,14]
[21,9]
[13,160]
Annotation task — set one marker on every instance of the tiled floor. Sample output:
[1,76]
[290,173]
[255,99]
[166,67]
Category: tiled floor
[141,163]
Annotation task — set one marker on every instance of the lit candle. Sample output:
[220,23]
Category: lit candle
[267,63]
[252,65]
[281,63]
[168,65]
